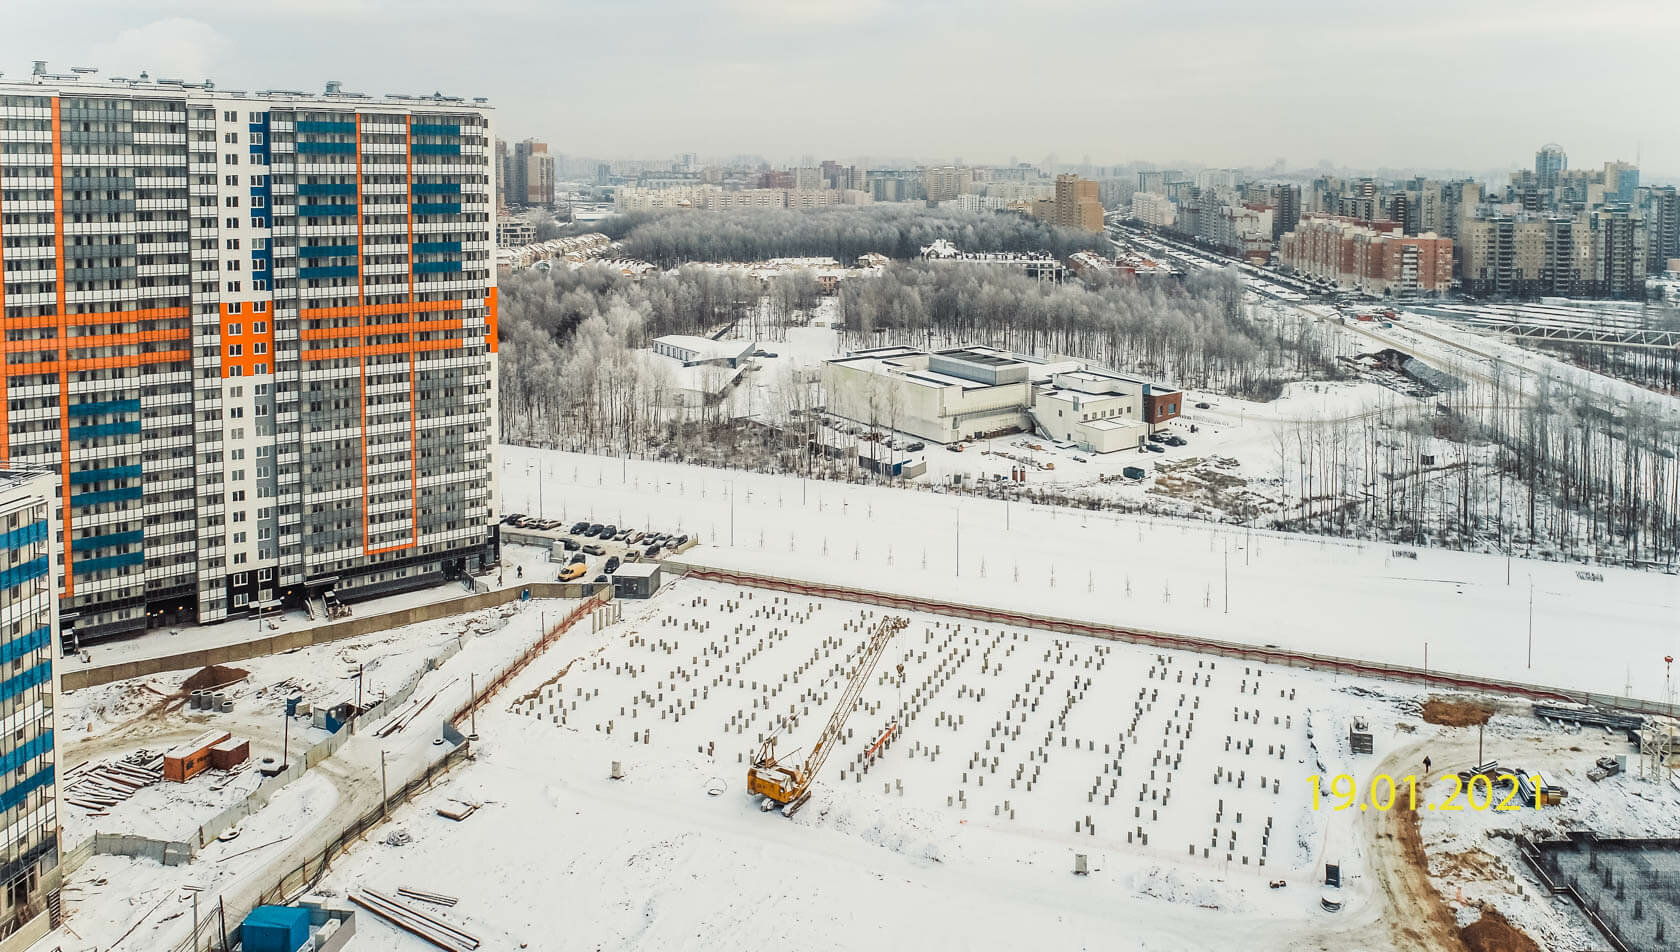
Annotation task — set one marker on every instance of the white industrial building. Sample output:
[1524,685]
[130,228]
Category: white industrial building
[690,350]
[964,393]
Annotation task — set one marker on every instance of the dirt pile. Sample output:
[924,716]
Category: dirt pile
[1455,712]
[1494,933]
[213,676]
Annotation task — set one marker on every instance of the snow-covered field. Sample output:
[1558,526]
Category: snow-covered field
[1448,611]
[962,832]
[968,823]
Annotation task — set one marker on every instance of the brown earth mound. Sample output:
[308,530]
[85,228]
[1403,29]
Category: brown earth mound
[213,676]
[1494,933]
[1455,712]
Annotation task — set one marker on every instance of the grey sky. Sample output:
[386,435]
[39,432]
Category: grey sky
[1474,84]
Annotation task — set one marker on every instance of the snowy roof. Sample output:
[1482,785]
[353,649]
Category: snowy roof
[636,570]
[705,346]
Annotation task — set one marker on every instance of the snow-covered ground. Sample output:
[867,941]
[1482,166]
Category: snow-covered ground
[962,833]
[1448,611]
[930,844]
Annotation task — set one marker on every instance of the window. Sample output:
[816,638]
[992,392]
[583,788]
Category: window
[232,138]
[232,158]
[232,244]
[236,350]
[259,327]
[230,180]
[234,330]
[239,579]
[240,599]
[232,201]
[259,264]
[261,347]
[239,538]
[256,138]
[230,115]
[238,496]
[231,222]
[257,201]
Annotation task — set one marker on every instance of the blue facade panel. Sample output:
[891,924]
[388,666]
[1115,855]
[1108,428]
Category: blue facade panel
[107,495]
[326,251]
[433,129]
[437,208]
[436,267]
[436,247]
[124,428]
[25,644]
[326,148]
[24,535]
[326,189]
[81,477]
[321,211]
[437,188]
[331,271]
[430,148]
[329,127]
[19,793]
[25,752]
[104,407]
[18,683]
[103,562]
[18,574]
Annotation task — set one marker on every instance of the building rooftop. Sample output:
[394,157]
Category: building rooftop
[85,76]
[636,570]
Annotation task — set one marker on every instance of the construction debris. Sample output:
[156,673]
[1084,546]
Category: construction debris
[437,899]
[458,813]
[104,785]
[422,924]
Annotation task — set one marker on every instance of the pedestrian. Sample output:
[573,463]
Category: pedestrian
[519,572]
[1426,766]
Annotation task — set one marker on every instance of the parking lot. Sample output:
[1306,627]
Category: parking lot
[587,551]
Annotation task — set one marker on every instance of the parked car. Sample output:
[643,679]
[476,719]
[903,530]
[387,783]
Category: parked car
[1080,459]
[569,544]
[593,549]
[602,580]
[1203,406]
[577,559]
[635,537]
[1154,447]
[913,447]
[623,535]
[1173,439]
[632,556]
[512,516]
[609,532]
[682,540]
[578,527]
[593,530]
[573,572]
[1157,437]
[651,551]
[611,566]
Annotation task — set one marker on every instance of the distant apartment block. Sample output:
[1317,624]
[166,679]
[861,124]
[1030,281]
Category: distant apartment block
[254,335]
[527,173]
[1370,255]
[1154,210]
[1076,204]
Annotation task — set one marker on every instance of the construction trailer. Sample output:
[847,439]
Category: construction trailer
[186,761]
[275,929]
[636,580]
[230,753]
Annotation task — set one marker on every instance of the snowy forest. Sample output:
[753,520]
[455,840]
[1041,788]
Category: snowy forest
[841,232]
[1200,334]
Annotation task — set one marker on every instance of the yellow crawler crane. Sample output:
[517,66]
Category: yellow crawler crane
[789,786]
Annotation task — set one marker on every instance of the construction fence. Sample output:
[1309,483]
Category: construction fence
[1159,639]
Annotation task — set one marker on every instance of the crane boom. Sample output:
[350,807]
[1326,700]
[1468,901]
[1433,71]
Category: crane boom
[789,786]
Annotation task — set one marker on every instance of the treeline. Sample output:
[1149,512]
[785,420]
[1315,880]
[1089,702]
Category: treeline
[572,371]
[1560,473]
[1199,334]
[841,232]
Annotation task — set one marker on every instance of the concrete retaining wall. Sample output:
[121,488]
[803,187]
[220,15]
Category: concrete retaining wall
[320,634]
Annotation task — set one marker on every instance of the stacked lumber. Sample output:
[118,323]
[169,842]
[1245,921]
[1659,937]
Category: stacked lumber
[410,711]
[101,786]
[436,899]
[419,923]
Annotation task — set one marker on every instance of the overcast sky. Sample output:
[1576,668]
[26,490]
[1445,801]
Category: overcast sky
[1468,84]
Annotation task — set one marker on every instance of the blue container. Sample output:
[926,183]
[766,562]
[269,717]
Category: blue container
[275,929]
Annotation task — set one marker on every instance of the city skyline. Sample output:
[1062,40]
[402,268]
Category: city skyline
[1114,85]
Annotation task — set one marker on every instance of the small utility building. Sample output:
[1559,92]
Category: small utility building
[636,580]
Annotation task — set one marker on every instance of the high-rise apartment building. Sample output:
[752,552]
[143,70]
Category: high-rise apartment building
[1076,203]
[527,173]
[255,336]
[1286,209]
[946,183]
[29,847]
[1549,165]
[1372,255]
